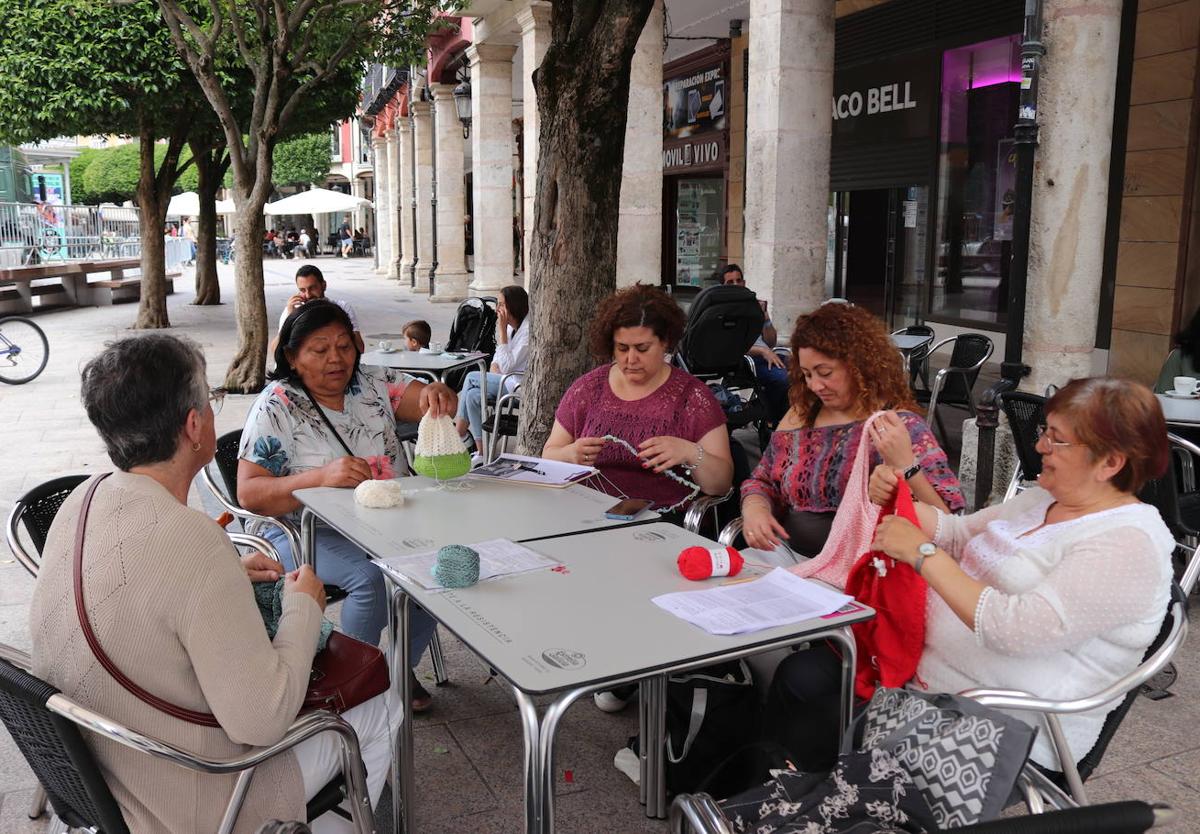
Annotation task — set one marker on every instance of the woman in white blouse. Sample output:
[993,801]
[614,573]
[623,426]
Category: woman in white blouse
[512,356]
[1059,591]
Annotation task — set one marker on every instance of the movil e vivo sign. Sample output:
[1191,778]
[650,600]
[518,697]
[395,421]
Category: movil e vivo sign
[885,98]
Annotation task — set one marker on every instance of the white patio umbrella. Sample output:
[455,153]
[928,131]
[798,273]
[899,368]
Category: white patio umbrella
[316,201]
[187,204]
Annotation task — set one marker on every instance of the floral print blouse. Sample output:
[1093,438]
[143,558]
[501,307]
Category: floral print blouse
[807,469]
[285,435]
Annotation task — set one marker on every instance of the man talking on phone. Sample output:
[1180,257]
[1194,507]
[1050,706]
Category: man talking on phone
[769,367]
[310,284]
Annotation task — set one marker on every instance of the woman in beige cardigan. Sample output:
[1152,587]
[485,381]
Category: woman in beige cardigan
[173,608]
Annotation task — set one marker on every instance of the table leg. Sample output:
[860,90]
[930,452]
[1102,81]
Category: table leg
[485,435]
[532,726]
[308,540]
[549,726]
[403,780]
[644,720]
[654,770]
[844,637]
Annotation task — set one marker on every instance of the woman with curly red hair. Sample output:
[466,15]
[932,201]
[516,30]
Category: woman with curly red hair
[668,415]
[845,368]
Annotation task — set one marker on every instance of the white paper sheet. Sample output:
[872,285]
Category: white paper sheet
[536,471]
[497,558]
[779,598]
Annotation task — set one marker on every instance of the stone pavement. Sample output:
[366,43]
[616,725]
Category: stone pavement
[468,748]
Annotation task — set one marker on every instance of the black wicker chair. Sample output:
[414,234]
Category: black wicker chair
[35,511]
[45,725]
[918,359]
[954,385]
[1026,413]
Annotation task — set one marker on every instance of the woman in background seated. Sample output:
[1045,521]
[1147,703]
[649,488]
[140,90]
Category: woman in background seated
[320,398]
[1182,360]
[512,357]
[668,415]
[1057,592]
[844,369]
[171,605]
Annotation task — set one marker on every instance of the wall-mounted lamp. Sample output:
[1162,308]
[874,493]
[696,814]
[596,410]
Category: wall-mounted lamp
[462,105]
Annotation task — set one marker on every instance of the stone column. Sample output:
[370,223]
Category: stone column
[639,236]
[383,203]
[451,284]
[535,39]
[788,124]
[408,243]
[491,163]
[1070,189]
[423,152]
[394,202]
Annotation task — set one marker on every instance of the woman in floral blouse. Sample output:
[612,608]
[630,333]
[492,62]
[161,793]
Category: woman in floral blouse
[326,421]
[845,369]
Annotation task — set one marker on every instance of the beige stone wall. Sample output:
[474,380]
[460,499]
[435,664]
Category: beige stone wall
[735,201]
[1160,133]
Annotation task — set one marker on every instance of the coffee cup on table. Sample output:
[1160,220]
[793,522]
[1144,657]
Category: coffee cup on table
[1186,385]
[385,345]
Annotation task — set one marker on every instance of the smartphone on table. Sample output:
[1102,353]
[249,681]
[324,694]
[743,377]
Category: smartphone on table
[627,509]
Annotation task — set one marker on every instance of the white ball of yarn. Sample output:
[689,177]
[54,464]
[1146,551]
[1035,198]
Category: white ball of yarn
[379,494]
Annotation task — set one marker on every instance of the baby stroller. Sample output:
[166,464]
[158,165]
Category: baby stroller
[473,329]
[723,324]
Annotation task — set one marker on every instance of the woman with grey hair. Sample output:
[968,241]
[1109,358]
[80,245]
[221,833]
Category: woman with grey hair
[170,604]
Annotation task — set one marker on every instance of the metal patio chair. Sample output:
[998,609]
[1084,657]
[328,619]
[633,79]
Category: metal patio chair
[954,385]
[48,728]
[1026,413]
[34,512]
[918,358]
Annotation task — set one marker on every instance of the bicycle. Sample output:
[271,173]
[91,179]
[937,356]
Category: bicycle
[24,350]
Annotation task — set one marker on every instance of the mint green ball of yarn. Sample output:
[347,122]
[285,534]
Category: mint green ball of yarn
[457,566]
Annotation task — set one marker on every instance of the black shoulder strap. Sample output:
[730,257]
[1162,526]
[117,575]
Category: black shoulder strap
[325,417]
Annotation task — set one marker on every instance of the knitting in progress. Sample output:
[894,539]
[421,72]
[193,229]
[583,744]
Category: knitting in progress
[440,453]
[695,489]
[269,596]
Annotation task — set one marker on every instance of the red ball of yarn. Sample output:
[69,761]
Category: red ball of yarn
[697,562]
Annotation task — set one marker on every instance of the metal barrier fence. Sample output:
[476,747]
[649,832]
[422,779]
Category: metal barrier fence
[33,233]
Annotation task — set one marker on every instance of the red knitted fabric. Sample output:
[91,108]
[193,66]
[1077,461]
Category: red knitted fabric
[890,644]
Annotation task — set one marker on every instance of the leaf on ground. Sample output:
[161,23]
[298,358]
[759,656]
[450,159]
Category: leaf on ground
[439,749]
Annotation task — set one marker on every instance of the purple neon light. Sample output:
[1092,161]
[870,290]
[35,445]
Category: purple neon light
[991,80]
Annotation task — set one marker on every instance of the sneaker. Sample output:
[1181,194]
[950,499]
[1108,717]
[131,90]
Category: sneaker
[628,763]
[421,699]
[477,460]
[614,700]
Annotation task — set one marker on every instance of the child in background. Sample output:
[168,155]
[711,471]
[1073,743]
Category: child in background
[417,334]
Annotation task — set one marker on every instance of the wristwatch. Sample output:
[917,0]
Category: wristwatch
[925,549]
[912,470]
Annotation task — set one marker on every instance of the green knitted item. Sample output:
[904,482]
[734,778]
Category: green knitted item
[269,596]
[440,452]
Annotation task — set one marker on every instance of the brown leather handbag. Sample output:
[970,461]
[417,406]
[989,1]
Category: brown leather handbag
[345,673]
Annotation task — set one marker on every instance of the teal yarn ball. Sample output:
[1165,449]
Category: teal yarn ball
[457,566]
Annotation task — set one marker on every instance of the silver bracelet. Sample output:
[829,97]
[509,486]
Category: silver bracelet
[699,457]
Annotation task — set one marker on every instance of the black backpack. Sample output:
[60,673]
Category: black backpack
[723,324]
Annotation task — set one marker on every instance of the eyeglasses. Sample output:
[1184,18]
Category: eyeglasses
[216,396]
[1055,445]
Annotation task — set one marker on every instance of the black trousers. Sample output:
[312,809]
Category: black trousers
[803,707]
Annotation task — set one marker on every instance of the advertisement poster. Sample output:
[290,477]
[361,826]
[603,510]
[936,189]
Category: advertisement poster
[49,195]
[1006,185]
[694,103]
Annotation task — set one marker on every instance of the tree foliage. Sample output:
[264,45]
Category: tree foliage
[304,160]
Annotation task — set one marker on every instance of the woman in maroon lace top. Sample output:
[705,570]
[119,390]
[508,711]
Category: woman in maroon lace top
[668,415]
[845,369]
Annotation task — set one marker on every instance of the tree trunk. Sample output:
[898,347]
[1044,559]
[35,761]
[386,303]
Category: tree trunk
[583,97]
[208,174]
[247,373]
[152,306]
